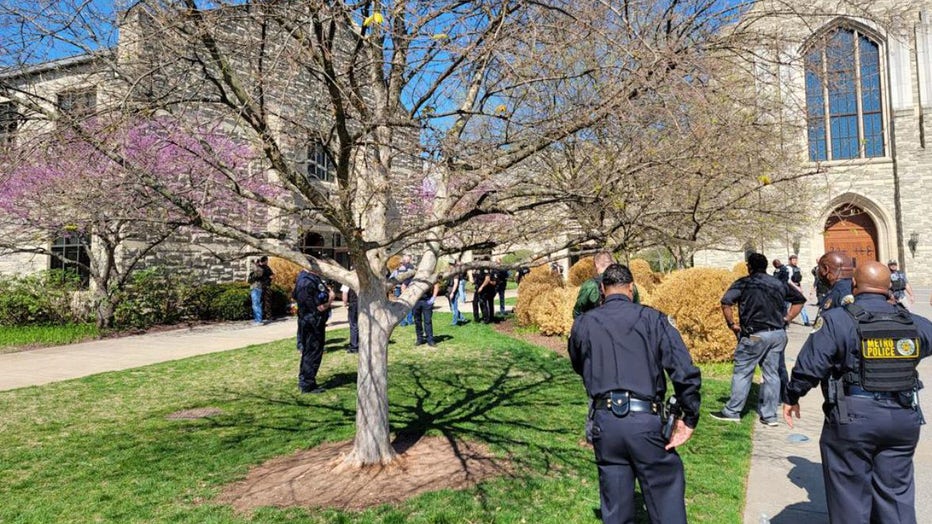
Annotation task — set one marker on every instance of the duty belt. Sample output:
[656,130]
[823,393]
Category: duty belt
[856,391]
[635,404]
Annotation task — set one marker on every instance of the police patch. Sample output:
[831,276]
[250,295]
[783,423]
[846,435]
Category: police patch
[906,347]
[818,325]
[847,299]
[671,321]
[827,304]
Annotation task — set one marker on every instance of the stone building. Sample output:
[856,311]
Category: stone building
[138,67]
[858,84]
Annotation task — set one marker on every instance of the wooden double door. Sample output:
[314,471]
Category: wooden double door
[852,231]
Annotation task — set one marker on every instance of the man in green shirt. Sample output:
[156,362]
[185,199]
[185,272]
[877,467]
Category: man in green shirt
[590,292]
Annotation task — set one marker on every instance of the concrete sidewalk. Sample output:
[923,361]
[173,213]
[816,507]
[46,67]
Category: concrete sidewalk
[785,483]
[42,366]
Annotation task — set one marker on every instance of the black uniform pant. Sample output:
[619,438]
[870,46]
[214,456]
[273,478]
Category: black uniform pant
[311,331]
[868,463]
[482,307]
[629,448]
[424,321]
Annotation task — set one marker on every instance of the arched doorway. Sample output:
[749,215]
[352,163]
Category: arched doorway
[852,231]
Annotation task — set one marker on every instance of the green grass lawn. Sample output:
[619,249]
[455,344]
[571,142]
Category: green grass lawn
[14,338]
[100,448]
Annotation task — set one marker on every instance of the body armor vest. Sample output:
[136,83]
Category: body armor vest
[897,282]
[888,349]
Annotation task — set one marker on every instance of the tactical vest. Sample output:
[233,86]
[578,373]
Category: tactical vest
[888,350]
[898,283]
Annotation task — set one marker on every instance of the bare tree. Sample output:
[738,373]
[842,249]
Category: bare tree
[416,126]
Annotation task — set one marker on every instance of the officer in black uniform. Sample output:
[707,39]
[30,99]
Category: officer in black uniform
[835,269]
[865,356]
[622,350]
[481,280]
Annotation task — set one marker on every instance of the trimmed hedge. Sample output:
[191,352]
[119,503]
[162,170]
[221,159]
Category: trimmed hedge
[581,271]
[692,298]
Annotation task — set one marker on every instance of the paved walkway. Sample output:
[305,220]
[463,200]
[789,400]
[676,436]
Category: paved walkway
[785,484]
[42,366]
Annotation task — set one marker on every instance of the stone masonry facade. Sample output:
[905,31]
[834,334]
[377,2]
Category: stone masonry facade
[868,183]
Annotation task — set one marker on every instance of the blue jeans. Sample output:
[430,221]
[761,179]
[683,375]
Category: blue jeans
[462,296]
[455,308]
[764,348]
[256,295]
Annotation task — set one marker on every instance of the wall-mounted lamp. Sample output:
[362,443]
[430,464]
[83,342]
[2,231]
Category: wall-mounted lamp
[913,242]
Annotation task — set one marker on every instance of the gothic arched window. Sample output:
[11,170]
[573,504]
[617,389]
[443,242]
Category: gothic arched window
[844,113]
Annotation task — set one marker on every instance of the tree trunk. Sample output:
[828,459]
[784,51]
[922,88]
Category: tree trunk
[104,307]
[376,322]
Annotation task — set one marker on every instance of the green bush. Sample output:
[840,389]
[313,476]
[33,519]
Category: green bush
[233,303]
[153,296]
[41,298]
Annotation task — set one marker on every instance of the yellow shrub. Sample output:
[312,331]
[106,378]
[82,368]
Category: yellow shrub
[581,272]
[643,275]
[740,270]
[542,275]
[692,298]
[285,272]
[527,293]
[552,310]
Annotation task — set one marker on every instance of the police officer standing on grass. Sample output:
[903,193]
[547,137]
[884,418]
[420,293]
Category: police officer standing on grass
[865,356]
[622,350]
[314,300]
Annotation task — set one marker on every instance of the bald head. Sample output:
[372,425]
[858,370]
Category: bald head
[871,277]
[602,260]
[834,266]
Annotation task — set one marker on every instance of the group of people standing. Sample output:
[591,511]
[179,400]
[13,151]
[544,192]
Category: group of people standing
[863,352]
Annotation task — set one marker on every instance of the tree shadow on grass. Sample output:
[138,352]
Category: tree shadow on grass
[512,403]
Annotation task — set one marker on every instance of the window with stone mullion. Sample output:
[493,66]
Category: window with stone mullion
[843,97]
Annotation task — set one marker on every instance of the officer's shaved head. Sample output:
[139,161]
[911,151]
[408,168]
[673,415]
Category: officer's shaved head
[834,266]
[871,277]
[602,260]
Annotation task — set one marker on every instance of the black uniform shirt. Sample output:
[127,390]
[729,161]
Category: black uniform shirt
[837,296]
[761,301]
[832,348]
[626,346]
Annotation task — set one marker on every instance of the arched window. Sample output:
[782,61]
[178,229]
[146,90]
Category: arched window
[843,100]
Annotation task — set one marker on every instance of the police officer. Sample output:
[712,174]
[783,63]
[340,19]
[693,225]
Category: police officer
[865,356]
[481,306]
[622,350]
[899,284]
[835,270]
[314,300]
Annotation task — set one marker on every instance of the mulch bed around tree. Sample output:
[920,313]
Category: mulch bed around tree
[318,477]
